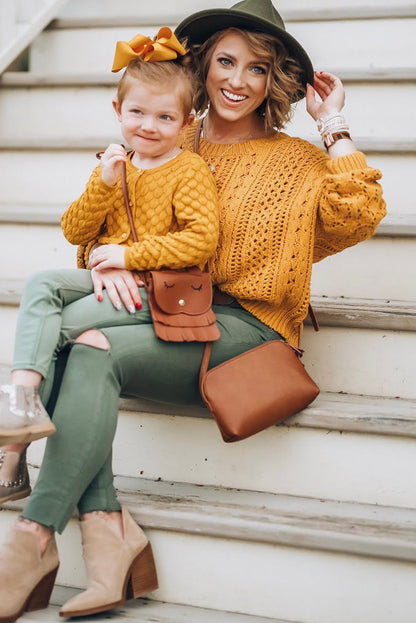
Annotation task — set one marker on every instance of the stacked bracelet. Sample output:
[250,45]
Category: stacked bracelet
[332,128]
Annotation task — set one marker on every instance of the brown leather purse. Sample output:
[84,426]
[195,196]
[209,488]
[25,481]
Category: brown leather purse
[180,301]
[181,305]
[257,389]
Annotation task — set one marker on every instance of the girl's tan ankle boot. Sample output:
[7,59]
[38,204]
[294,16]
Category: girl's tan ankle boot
[26,576]
[118,569]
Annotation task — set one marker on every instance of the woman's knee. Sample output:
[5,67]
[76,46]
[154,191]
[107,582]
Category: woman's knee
[42,279]
[95,338]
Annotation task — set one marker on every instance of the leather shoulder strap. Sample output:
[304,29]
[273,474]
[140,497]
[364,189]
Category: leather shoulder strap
[205,361]
[127,203]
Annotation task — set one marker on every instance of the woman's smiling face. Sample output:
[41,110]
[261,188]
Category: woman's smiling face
[237,79]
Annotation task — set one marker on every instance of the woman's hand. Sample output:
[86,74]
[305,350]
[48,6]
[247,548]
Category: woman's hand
[122,287]
[112,162]
[108,256]
[331,91]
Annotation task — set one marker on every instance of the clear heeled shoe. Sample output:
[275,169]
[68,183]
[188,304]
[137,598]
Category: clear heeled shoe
[23,418]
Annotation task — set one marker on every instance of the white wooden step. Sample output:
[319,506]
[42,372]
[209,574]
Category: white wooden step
[84,11]
[63,50]
[385,366]
[254,553]
[55,173]
[379,268]
[40,247]
[375,361]
[360,266]
[40,112]
[330,311]
[342,447]
[393,226]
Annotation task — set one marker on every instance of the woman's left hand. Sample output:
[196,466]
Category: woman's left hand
[331,91]
[108,256]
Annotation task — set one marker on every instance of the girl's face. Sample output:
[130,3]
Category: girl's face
[237,79]
[151,119]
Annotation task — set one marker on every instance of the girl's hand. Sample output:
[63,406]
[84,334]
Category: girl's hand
[108,256]
[330,90]
[122,287]
[112,162]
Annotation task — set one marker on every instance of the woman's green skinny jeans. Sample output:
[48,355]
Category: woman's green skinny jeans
[76,471]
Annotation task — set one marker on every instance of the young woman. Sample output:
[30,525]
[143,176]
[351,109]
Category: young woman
[283,204]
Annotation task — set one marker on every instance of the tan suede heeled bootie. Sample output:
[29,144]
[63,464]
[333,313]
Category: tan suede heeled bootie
[26,577]
[118,569]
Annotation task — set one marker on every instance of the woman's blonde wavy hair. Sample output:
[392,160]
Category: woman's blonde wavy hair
[284,85]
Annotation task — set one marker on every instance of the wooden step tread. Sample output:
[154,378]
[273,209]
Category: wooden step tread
[143,611]
[292,521]
[330,411]
[394,225]
[289,14]
[367,144]
[39,80]
[330,311]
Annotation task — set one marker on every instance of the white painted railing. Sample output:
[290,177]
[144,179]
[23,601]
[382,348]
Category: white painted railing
[20,22]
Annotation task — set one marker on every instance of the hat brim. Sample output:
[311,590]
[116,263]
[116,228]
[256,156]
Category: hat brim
[198,27]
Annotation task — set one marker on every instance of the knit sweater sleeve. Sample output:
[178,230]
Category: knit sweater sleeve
[83,220]
[350,205]
[195,235]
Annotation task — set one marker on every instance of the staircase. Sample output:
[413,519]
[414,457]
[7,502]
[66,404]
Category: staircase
[313,521]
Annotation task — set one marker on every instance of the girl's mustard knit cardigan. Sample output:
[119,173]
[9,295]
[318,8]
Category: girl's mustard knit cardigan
[175,212]
[284,205]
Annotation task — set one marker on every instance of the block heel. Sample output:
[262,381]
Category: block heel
[41,594]
[143,577]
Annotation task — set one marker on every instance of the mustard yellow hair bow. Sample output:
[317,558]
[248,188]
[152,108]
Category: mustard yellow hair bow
[165,47]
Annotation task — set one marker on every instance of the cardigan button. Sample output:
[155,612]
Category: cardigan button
[181,302]
[123,235]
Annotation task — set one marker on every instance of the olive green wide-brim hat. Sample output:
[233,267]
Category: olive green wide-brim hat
[254,15]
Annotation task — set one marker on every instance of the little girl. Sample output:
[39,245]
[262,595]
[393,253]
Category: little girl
[176,220]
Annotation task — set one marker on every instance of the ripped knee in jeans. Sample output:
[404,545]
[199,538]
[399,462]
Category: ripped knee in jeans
[94,337]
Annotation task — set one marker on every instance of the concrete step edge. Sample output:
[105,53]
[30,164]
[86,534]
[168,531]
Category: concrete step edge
[306,523]
[20,79]
[330,311]
[372,415]
[395,145]
[393,225]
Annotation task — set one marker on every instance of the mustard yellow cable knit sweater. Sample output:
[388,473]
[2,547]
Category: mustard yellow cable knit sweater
[283,205]
[175,212]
